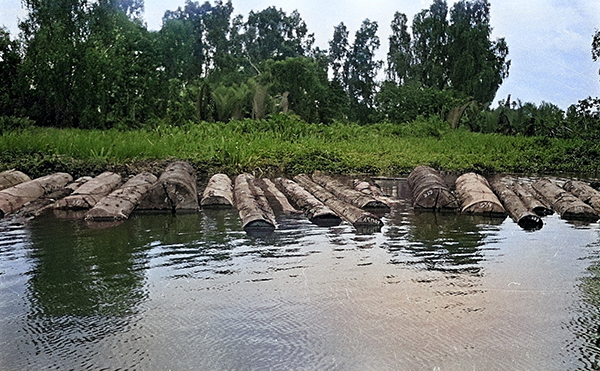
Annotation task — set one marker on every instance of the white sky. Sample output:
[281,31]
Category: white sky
[549,40]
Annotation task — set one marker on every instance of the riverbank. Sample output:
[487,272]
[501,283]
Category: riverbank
[286,144]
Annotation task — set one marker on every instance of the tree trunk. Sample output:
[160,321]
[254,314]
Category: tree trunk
[430,191]
[79,182]
[13,198]
[257,216]
[360,219]
[531,199]
[476,197]
[367,188]
[175,189]
[517,210]
[10,178]
[218,192]
[86,196]
[120,203]
[314,209]
[276,198]
[584,192]
[565,203]
[349,195]
[35,208]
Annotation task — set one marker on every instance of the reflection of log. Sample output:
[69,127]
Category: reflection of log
[357,217]
[350,195]
[314,209]
[565,203]
[430,191]
[120,203]
[252,205]
[86,196]
[584,192]
[530,198]
[218,192]
[476,197]
[516,208]
[13,198]
[275,197]
[175,189]
[10,178]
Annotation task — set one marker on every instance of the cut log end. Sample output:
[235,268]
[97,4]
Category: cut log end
[542,211]
[531,222]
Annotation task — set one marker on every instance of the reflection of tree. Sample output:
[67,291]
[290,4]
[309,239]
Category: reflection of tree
[443,242]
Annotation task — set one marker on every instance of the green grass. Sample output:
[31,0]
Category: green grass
[285,144]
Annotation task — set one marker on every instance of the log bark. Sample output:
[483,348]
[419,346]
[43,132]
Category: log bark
[119,204]
[357,217]
[11,178]
[92,191]
[14,198]
[35,208]
[349,195]
[252,205]
[585,193]
[476,197]
[517,210]
[314,209]
[367,188]
[564,202]
[531,199]
[218,192]
[175,189]
[430,191]
[79,182]
[276,198]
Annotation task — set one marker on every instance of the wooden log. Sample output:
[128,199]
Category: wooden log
[13,198]
[430,191]
[78,182]
[35,208]
[10,178]
[367,188]
[92,191]
[175,189]
[531,199]
[314,209]
[257,216]
[564,202]
[357,217]
[517,210]
[476,197]
[119,204]
[349,195]
[218,192]
[585,193]
[276,198]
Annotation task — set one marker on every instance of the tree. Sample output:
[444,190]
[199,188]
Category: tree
[10,61]
[399,56]
[338,53]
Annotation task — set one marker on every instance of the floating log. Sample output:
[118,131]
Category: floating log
[476,197]
[349,195]
[430,191]
[275,197]
[517,210]
[218,192]
[367,188]
[79,182]
[175,189]
[11,178]
[357,217]
[120,203]
[92,191]
[584,192]
[15,197]
[530,198]
[35,208]
[314,209]
[252,205]
[564,202]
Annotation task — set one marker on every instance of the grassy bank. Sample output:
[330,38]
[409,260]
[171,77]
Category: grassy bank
[285,144]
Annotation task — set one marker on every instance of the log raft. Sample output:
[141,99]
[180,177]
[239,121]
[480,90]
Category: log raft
[517,210]
[564,202]
[430,191]
[119,204]
[276,198]
[531,199]
[349,195]
[476,196]
[218,192]
[92,191]
[584,192]
[359,218]
[15,197]
[11,178]
[175,190]
[314,209]
[257,216]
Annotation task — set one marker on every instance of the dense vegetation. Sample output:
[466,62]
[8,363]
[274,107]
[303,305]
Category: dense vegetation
[87,83]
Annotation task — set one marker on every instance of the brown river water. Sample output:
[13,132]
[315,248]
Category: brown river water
[194,292]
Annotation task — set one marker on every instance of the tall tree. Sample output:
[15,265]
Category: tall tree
[338,53]
[10,61]
[399,56]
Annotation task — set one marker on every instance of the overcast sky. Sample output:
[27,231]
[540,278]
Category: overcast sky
[549,40]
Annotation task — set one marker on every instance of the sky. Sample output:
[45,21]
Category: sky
[549,41]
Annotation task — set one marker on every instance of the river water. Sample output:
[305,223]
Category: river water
[194,292]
